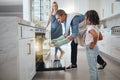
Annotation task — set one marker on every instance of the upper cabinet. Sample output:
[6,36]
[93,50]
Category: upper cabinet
[109,9]
[94,5]
[115,8]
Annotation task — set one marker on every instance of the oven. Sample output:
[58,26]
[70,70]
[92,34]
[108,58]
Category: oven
[45,60]
[39,40]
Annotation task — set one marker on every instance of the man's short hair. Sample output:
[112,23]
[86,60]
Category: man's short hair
[60,12]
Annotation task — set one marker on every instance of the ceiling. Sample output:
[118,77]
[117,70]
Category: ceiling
[10,2]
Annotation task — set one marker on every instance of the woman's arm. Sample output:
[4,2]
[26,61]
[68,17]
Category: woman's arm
[48,21]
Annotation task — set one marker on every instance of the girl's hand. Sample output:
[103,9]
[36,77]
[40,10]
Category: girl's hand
[92,44]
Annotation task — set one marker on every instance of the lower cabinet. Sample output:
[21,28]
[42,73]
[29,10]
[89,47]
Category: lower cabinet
[17,52]
[115,47]
[105,44]
[27,59]
[110,45]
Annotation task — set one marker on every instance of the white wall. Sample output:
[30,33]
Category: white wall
[26,10]
[83,5]
[80,6]
[95,5]
[67,5]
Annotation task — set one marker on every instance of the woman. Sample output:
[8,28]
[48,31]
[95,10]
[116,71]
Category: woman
[56,27]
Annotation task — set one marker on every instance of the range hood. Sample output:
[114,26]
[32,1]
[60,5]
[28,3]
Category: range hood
[10,2]
[11,8]
[20,8]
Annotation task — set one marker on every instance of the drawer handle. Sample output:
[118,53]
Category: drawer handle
[31,40]
[112,8]
[102,12]
[29,48]
[31,30]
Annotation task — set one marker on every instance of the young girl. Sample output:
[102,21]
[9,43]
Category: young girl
[92,36]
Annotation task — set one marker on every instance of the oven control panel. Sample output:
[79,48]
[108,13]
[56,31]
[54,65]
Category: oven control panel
[115,30]
[40,30]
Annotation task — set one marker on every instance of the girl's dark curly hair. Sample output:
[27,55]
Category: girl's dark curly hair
[92,16]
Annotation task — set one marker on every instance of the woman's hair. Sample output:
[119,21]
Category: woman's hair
[55,4]
[92,16]
[61,12]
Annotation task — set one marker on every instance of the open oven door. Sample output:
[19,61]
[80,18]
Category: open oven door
[45,55]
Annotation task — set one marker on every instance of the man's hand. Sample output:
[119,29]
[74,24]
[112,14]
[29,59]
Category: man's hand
[70,38]
[65,35]
[51,44]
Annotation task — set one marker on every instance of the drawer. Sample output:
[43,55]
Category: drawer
[115,41]
[115,52]
[27,32]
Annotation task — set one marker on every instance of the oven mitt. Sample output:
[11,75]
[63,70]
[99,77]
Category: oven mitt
[59,38]
[61,42]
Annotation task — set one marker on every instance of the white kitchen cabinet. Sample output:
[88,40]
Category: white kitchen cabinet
[110,44]
[115,47]
[109,9]
[94,5]
[105,8]
[17,53]
[27,59]
[115,7]
[105,44]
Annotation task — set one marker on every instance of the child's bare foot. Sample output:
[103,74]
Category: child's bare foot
[56,57]
[62,53]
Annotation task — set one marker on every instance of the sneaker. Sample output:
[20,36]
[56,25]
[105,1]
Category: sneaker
[71,66]
[102,66]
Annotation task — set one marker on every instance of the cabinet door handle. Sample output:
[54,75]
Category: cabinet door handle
[102,12]
[112,8]
[29,48]
[31,40]
[31,30]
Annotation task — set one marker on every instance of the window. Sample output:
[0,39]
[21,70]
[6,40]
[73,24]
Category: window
[40,10]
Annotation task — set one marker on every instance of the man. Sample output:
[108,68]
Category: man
[71,21]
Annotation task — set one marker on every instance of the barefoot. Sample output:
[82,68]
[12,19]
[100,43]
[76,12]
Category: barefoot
[62,53]
[56,57]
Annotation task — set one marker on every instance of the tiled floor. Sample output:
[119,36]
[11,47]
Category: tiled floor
[111,72]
